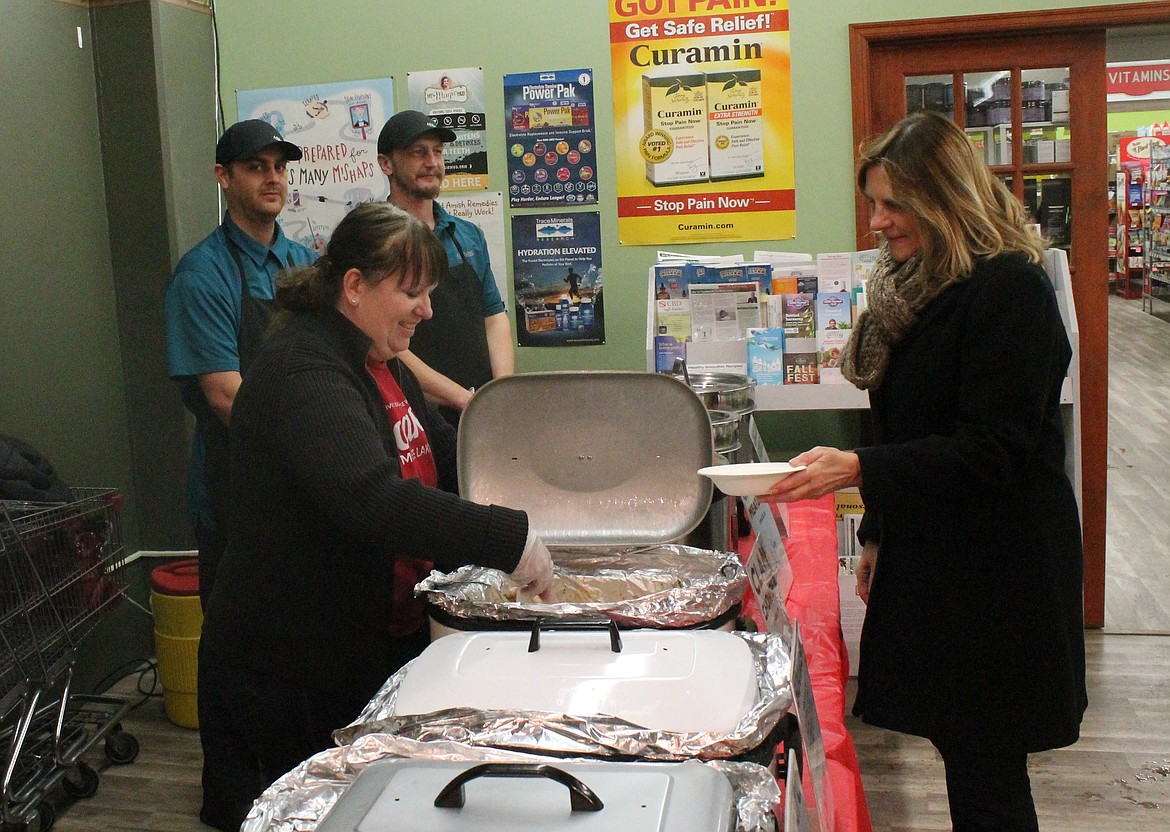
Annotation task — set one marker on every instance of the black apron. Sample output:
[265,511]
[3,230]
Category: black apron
[255,315]
[454,341]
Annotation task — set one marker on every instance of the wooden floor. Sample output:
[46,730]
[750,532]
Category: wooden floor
[1116,779]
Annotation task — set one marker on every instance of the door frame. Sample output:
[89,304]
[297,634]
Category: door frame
[1091,300]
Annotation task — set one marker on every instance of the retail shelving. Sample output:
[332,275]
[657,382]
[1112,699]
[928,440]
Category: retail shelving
[1156,285]
[1045,142]
[1116,234]
[1129,278]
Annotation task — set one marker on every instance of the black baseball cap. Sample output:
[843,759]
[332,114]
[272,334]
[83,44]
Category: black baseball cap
[245,139]
[403,128]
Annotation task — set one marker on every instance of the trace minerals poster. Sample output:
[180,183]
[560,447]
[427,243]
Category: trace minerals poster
[455,99]
[556,272]
[336,126]
[552,147]
[702,93]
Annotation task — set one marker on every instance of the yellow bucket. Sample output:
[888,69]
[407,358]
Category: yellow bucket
[178,618]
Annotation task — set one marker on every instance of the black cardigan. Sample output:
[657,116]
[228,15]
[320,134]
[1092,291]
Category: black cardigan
[320,511]
[974,629]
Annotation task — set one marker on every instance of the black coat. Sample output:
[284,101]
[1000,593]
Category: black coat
[974,630]
[321,510]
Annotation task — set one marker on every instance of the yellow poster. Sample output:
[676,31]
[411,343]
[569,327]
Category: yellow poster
[702,120]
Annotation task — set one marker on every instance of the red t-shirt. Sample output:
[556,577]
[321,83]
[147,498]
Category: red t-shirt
[416,460]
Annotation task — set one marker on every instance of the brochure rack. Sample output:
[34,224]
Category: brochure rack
[847,397]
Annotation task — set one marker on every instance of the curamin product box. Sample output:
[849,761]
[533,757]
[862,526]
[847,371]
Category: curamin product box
[735,124]
[674,119]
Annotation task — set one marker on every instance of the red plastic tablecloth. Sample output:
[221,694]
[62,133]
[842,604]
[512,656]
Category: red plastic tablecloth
[814,602]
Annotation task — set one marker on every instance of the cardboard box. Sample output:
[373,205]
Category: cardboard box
[674,121]
[735,124]
[543,320]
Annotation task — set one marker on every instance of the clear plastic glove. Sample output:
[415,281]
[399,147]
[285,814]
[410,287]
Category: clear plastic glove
[534,572]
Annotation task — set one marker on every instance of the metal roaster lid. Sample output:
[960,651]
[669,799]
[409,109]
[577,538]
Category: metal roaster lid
[596,458]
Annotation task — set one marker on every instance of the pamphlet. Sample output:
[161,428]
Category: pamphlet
[667,349]
[673,317]
[724,311]
[801,368]
[765,351]
[834,271]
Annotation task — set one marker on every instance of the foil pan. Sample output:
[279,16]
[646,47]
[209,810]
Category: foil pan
[301,798]
[558,734]
[661,586]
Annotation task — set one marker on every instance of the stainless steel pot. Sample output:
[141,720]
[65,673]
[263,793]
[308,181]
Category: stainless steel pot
[724,430]
[724,391]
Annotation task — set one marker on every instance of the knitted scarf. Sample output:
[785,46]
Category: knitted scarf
[896,295]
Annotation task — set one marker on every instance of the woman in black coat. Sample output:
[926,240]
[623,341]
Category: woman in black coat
[343,480]
[972,561]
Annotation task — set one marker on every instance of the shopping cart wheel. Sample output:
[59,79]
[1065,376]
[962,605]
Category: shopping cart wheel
[42,820]
[46,817]
[121,748]
[81,782]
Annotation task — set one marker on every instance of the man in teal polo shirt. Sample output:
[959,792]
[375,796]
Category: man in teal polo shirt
[217,308]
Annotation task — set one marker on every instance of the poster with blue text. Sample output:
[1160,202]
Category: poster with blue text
[454,98]
[336,126]
[552,150]
[556,273]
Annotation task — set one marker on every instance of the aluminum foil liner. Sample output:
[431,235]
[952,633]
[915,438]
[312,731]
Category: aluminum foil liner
[661,586]
[559,734]
[301,798]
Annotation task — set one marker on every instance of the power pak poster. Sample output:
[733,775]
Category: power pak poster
[552,146]
[556,272]
[455,99]
[336,126]
[702,95]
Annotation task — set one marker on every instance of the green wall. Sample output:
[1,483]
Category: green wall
[354,39]
[61,379]
[1125,122]
[103,145]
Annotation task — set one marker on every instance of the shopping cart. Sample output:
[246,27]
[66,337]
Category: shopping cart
[60,573]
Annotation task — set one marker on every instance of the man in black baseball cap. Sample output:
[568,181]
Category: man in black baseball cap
[212,324]
[468,340]
[402,129]
[245,139]
[218,304]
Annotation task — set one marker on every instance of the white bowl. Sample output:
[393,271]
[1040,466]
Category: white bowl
[749,479]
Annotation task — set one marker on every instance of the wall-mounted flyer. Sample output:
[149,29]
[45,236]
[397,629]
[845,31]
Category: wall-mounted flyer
[487,211]
[336,126]
[702,97]
[550,129]
[556,271]
[455,99]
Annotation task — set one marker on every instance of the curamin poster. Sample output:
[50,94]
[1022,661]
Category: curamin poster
[556,272]
[336,126]
[552,148]
[702,93]
[455,98]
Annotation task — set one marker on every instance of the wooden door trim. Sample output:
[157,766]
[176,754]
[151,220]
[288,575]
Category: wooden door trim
[866,36]
[1049,20]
